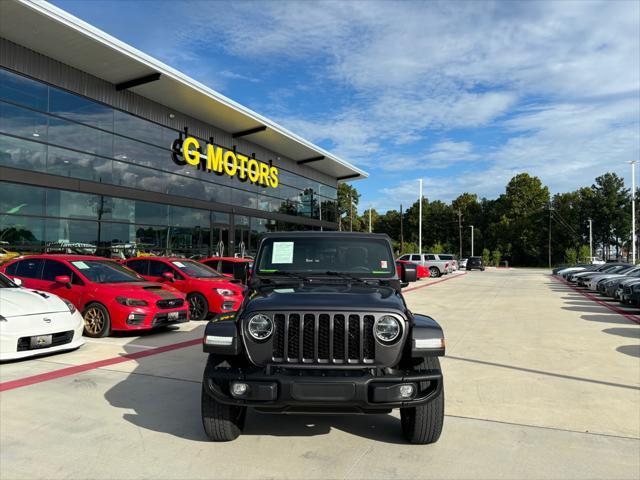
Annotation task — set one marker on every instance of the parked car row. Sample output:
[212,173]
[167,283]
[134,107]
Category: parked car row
[62,297]
[619,281]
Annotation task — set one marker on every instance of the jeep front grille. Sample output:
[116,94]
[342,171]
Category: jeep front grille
[331,338]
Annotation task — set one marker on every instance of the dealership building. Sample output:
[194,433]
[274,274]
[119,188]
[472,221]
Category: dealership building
[104,149]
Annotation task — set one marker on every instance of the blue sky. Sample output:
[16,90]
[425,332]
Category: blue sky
[461,94]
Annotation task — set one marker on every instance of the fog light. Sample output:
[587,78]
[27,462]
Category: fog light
[238,389]
[406,391]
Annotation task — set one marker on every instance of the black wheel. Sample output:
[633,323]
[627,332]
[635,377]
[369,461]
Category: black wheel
[434,272]
[423,424]
[222,423]
[97,322]
[198,306]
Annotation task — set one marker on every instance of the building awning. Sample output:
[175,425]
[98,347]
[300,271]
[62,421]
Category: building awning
[55,33]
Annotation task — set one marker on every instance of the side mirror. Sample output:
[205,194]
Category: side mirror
[408,273]
[169,276]
[63,280]
[17,281]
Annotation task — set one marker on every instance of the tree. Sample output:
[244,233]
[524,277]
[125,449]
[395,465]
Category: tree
[388,223]
[571,256]
[348,199]
[496,256]
[611,212]
[364,220]
[584,254]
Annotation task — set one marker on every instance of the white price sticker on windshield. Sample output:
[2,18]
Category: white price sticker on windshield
[282,252]
[179,264]
[383,264]
[81,265]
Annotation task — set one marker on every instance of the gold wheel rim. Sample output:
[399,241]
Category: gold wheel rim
[94,320]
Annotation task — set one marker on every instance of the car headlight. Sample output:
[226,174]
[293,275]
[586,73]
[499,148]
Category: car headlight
[387,328]
[224,292]
[131,302]
[260,327]
[72,307]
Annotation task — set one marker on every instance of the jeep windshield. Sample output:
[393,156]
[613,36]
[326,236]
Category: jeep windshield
[361,257]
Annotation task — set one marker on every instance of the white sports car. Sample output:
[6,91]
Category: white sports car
[34,322]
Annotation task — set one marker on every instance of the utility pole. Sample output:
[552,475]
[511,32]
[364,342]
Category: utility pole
[370,207]
[590,239]
[633,210]
[471,239]
[401,232]
[350,213]
[460,231]
[420,220]
[550,234]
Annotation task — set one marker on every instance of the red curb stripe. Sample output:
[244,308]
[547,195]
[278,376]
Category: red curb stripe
[433,283]
[65,372]
[613,308]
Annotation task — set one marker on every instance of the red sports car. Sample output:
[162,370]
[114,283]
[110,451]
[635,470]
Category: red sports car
[421,272]
[110,296]
[207,291]
[229,266]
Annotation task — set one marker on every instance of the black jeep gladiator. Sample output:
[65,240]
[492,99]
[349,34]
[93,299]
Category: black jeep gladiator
[324,328]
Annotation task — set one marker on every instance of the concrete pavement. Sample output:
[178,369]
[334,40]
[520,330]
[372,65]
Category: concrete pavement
[540,383]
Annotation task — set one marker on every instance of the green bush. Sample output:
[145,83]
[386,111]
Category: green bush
[497,256]
[485,256]
[584,253]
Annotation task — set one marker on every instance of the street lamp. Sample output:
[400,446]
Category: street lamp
[471,227]
[420,220]
[633,210]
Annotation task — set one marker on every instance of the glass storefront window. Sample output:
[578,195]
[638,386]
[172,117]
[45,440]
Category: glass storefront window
[67,163]
[151,213]
[61,231]
[188,217]
[22,90]
[62,203]
[23,122]
[23,234]
[80,109]
[16,199]
[80,137]
[149,132]
[18,153]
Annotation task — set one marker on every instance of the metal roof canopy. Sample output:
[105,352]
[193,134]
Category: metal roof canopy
[55,33]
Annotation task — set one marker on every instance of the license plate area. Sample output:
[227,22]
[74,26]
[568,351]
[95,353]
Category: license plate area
[171,316]
[41,341]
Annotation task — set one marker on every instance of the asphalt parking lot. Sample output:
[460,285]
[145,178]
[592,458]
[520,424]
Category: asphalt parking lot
[541,382]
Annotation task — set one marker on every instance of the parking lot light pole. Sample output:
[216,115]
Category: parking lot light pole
[633,211]
[471,226]
[420,220]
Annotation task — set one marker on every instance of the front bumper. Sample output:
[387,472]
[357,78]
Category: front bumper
[300,390]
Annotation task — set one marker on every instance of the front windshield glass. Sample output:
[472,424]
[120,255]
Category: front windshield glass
[319,255]
[446,257]
[6,283]
[105,271]
[195,269]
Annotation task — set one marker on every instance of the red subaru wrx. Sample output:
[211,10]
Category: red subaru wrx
[110,296]
[207,291]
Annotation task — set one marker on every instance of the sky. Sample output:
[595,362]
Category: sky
[461,94]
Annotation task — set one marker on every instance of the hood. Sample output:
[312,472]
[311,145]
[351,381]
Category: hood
[629,281]
[15,302]
[143,290]
[222,283]
[332,297]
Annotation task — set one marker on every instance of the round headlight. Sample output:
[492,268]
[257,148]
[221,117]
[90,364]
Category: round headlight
[260,327]
[387,328]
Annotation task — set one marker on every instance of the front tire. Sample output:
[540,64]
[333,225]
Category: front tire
[97,321]
[222,423]
[423,424]
[198,306]
[434,272]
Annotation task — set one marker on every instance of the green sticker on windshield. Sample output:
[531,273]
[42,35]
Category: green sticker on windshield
[379,271]
[272,270]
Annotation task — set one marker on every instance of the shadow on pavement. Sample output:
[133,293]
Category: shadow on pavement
[632,350]
[630,332]
[162,394]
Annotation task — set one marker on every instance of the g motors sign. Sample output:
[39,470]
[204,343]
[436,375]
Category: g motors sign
[223,161]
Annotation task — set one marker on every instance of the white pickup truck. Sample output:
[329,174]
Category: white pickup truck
[432,261]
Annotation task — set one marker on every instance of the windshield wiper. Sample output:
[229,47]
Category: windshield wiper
[346,276]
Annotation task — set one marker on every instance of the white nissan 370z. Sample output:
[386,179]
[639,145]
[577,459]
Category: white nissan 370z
[35,323]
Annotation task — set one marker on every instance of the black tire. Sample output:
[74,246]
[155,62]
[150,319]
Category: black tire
[423,424]
[222,423]
[97,321]
[198,306]
[434,272]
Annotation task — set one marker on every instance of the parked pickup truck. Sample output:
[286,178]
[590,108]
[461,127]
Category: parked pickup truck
[436,265]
